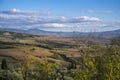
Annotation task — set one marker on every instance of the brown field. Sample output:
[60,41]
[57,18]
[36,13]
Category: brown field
[13,46]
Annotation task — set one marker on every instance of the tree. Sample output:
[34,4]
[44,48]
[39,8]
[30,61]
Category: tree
[108,65]
[25,64]
[4,65]
[43,71]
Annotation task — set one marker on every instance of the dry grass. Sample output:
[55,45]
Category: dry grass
[20,52]
[69,52]
[35,52]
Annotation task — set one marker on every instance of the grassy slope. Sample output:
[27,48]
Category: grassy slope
[14,45]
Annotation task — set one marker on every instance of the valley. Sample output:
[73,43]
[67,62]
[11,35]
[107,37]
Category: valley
[67,58]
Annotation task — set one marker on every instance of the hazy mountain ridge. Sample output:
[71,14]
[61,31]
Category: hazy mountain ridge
[105,34]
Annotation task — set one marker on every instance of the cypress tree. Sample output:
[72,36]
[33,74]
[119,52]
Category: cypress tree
[4,67]
[4,64]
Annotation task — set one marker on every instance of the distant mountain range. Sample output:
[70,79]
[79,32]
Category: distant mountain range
[106,34]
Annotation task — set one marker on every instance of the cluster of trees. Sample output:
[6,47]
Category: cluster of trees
[27,69]
[97,62]
[102,67]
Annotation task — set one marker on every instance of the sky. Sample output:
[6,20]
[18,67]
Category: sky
[61,15]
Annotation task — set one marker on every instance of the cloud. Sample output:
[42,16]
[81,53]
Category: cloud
[23,12]
[43,19]
[86,18]
[16,18]
[54,25]
[99,11]
[39,16]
